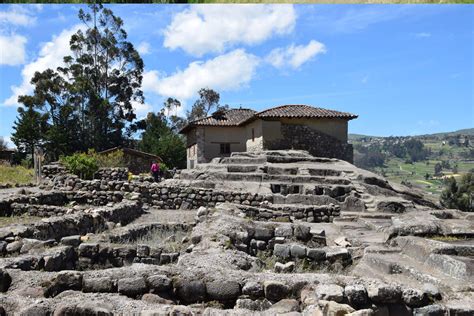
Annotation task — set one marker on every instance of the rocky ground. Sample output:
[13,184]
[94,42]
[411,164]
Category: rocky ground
[267,233]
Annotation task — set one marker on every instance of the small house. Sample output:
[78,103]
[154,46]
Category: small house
[321,132]
[135,160]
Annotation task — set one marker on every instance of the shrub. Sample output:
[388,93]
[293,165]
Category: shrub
[81,164]
[111,160]
[460,194]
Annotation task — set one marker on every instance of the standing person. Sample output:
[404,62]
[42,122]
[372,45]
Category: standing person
[155,171]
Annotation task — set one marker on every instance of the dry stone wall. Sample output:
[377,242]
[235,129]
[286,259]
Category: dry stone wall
[316,143]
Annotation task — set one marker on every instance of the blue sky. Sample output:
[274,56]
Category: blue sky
[404,70]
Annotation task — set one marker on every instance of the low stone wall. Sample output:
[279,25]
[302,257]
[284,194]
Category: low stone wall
[18,209]
[284,213]
[81,223]
[316,143]
[112,174]
[159,194]
[43,202]
[50,171]
[86,256]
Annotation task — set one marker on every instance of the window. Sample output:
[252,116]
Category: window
[253,134]
[225,149]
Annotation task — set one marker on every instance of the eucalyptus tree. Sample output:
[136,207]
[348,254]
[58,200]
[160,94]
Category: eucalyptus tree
[88,102]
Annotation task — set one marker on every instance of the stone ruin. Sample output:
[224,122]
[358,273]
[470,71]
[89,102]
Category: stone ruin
[268,233]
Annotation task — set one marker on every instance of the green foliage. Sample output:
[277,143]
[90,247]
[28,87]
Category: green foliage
[27,163]
[369,157]
[459,195]
[28,128]
[207,102]
[81,164]
[109,160]
[158,138]
[88,102]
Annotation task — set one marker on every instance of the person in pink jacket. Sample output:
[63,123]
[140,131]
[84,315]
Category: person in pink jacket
[155,171]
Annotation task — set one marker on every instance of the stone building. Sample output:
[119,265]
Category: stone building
[136,161]
[320,131]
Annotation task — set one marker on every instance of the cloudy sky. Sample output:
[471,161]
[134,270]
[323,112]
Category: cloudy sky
[403,69]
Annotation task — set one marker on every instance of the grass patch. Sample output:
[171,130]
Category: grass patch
[448,238]
[169,241]
[15,174]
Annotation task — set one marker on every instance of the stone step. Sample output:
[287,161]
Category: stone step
[243,160]
[397,265]
[261,177]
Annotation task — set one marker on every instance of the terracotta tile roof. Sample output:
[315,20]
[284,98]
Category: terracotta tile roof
[232,117]
[302,111]
[238,117]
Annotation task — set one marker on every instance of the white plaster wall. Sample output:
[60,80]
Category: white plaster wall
[214,136]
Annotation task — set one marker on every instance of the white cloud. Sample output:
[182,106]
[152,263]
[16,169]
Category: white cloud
[214,28]
[13,50]
[144,48]
[8,141]
[295,56]
[19,15]
[422,35]
[141,109]
[222,73]
[50,56]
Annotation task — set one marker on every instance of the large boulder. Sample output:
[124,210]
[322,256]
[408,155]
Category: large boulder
[132,287]
[64,280]
[330,292]
[336,309]
[159,283]
[253,289]
[275,291]
[98,285]
[190,291]
[223,290]
[356,294]
[281,250]
[414,297]
[384,293]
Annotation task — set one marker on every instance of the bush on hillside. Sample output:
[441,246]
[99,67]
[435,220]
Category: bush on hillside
[81,164]
[459,195]
[111,160]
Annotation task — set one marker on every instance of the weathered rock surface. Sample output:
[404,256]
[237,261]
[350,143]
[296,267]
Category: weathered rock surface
[255,233]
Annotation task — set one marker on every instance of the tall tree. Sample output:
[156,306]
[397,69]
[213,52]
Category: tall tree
[29,128]
[106,71]
[171,105]
[158,138]
[88,102]
[208,101]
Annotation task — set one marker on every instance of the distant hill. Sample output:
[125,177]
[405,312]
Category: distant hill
[466,131]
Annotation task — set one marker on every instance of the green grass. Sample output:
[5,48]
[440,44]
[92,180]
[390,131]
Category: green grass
[15,174]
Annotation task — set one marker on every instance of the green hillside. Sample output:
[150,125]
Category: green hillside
[422,161]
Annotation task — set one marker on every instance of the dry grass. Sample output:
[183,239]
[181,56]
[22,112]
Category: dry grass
[15,174]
